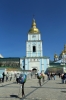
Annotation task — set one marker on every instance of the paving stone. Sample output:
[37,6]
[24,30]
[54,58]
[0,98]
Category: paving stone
[50,90]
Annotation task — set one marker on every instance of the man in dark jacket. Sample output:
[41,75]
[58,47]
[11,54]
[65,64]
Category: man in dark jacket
[65,77]
[3,77]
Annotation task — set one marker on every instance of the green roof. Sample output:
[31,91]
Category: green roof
[10,59]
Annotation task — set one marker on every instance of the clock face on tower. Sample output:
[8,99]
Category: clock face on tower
[33,37]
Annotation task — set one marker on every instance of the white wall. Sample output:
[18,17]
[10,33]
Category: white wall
[21,63]
[34,64]
[46,64]
[42,64]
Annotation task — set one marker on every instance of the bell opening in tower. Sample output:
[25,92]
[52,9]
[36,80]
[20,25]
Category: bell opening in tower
[34,48]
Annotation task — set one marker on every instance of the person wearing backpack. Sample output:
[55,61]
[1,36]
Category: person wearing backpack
[65,78]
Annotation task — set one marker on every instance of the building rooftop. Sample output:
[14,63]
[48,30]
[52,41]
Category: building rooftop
[1,56]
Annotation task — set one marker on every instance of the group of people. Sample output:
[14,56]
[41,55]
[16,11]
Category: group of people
[51,76]
[40,76]
[2,77]
[5,77]
[63,77]
[19,79]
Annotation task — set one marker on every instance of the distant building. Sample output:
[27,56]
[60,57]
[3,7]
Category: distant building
[56,67]
[59,63]
[1,56]
[61,58]
[13,62]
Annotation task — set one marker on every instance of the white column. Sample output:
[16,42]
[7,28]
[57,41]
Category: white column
[41,48]
[31,49]
[26,48]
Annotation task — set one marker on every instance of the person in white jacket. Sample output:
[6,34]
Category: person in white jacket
[17,77]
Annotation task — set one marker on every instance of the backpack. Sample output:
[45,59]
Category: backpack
[22,79]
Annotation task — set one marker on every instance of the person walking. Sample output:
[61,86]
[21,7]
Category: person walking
[3,76]
[31,75]
[7,77]
[48,74]
[39,76]
[59,75]
[23,94]
[40,81]
[10,77]
[22,80]
[62,78]
[54,76]
[17,78]
[65,78]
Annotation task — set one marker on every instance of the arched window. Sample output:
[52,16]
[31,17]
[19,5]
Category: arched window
[34,48]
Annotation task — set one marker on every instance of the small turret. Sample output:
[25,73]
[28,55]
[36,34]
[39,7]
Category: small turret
[55,57]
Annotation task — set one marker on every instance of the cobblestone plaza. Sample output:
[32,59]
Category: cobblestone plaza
[50,90]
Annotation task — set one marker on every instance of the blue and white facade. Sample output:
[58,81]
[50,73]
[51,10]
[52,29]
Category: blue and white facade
[34,52]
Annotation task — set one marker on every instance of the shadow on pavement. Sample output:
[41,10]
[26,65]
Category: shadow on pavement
[33,90]
[63,91]
[47,87]
[6,84]
[59,83]
[14,96]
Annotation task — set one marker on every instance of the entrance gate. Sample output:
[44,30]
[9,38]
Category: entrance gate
[34,70]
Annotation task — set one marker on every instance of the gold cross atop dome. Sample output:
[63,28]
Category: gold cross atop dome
[33,29]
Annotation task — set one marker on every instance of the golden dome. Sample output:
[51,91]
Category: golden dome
[55,56]
[63,52]
[34,29]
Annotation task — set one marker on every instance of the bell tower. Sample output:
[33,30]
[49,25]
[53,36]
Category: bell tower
[34,43]
[34,59]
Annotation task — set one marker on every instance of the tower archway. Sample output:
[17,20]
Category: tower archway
[34,70]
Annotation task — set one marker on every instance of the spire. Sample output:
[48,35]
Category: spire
[33,23]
